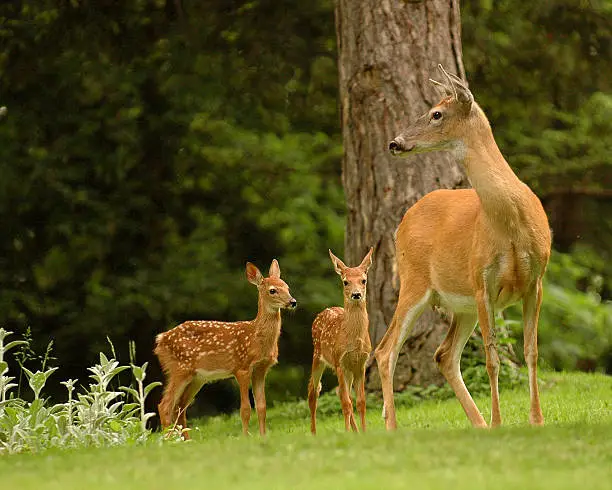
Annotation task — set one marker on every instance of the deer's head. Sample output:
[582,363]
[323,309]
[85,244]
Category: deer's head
[273,291]
[441,127]
[354,279]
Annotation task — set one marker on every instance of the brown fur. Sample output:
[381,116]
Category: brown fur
[198,352]
[341,340]
[471,251]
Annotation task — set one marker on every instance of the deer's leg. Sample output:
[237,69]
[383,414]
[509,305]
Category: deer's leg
[244,378]
[314,388]
[186,399]
[448,359]
[348,375]
[531,313]
[167,407]
[259,394]
[486,319]
[345,399]
[409,307]
[361,397]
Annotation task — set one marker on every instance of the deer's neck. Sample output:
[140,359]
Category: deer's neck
[356,321]
[267,324]
[504,198]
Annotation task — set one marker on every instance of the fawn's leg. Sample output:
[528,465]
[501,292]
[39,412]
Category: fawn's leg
[486,319]
[345,399]
[189,393]
[244,378]
[349,377]
[361,397]
[314,388]
[409,307]
[531,313]
[448,358]
[167,406]
[259,394]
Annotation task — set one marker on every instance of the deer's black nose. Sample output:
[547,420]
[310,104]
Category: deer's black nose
[293,303]
[356,295]
[394,146]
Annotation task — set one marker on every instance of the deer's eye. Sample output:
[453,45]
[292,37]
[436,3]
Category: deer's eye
[436,115]
[272,291]
[363,281]
[345,282]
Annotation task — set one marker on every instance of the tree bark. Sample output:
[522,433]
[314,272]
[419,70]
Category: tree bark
[388,49]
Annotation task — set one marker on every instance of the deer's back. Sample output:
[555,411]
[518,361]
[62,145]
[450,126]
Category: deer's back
[196,345]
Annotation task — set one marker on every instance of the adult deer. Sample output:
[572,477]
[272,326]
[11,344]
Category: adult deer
[198,352]
[470,251]
[341,340]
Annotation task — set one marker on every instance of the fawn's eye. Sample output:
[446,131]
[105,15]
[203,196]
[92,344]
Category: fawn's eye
[437,115]
[345,282]
[363,281]
[272,291]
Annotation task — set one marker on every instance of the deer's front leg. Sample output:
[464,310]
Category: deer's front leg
[531,313]
[244,378]
[486,319]
[361,398]
[345,399]
[259,394]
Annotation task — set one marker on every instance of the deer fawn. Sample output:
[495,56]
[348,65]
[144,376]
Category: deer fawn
[341,340]
[198,352]
[470,251]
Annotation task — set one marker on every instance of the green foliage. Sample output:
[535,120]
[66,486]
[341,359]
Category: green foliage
[546,95]
[150,150]
[98,416]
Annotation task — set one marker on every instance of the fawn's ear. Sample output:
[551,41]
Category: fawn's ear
[253,275]
[338,264]
[274,269]
[367,261]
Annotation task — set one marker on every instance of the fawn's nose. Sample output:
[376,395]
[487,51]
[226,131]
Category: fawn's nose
[293,303]
[394,146]
[356,296]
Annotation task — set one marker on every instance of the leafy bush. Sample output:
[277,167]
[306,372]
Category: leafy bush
[95,416]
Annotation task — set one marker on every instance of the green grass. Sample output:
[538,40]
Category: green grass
[433,448]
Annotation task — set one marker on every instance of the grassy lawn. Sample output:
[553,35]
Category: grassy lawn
[434,448]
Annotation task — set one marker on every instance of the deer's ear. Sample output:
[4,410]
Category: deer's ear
[366,263]
[253,275]
[274,269]
[464,96]
[338,264]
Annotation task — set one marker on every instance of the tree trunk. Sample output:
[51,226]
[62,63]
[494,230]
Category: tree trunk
[387,52]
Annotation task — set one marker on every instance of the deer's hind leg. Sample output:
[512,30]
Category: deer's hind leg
[531,313]
[175,386]
[314,388]
[189,393]
[448,359]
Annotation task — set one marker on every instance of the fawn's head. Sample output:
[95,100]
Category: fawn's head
[354,279]
[273,291]
[441,128]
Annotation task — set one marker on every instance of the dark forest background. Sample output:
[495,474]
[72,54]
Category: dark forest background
[152,147]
